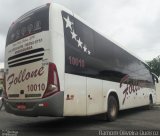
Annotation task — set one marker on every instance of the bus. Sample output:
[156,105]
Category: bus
[57,65]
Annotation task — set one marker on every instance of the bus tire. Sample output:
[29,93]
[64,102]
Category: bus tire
[112,109]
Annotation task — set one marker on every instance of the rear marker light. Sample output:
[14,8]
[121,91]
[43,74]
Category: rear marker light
[40,105]
[45,104]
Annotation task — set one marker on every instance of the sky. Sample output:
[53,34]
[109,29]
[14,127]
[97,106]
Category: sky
[133,24]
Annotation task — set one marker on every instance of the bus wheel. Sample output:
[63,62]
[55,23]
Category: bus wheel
[112,108]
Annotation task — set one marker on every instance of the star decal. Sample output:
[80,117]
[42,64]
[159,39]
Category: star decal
[79,43]
[68,22]
[85,49]
[73,35]
[89,52]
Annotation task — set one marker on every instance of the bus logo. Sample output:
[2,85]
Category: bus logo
[132,86]
[23,76]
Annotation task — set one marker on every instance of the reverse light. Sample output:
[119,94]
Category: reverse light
[45,104]
[52,88]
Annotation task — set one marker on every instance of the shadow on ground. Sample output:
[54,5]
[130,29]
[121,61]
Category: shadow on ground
[66,123]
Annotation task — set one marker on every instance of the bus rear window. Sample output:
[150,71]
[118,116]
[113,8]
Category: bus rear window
[30,23]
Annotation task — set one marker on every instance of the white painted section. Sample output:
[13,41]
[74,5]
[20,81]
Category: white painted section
[23,77]
[57,48]
[108,87]
[94,96]
[75,88]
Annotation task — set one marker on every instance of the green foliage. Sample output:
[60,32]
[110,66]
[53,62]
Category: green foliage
[155,65]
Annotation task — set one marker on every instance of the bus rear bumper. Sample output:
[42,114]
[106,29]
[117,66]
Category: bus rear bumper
[50,106]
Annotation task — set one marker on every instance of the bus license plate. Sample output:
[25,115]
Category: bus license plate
[21,107]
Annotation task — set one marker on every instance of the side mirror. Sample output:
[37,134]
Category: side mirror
[155,77]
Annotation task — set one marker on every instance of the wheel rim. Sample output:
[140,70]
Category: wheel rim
[113,111]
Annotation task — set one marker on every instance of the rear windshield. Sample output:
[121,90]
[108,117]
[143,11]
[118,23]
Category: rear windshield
[32,22]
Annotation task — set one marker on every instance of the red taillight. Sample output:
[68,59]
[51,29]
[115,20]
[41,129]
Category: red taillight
[53,81]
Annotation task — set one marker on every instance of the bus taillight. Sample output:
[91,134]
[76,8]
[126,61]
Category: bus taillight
[53,81]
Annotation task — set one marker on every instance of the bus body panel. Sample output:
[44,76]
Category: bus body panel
[58,56]
[94,96]
[108,88]
[75,95]
[57,40]
[20,82]
[50,106]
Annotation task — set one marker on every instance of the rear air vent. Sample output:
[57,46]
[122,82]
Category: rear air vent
[26,57]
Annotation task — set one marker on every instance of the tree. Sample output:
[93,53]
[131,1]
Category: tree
[155,65]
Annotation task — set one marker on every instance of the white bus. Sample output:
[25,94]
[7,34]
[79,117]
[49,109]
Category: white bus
[57,65]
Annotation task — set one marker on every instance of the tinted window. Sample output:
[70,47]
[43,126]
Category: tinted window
[90,54]
[30,23]
[103,63]
[78,45]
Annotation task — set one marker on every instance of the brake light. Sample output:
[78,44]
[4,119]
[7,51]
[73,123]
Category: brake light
[53,81]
